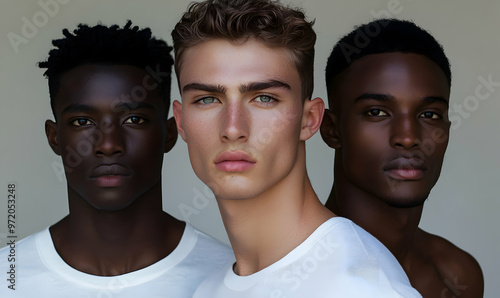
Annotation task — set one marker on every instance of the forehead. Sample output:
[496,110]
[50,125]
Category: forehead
[403,71]
[101,83]
[400,73]
[102,78]
[221,61]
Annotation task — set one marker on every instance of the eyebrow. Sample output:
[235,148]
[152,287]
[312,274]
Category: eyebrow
[134,106]
[81,108]
[204,87]
[254,86]
[436,99]
[374,96]
[390,98]
[78,108]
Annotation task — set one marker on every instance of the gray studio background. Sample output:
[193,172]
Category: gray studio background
[462,207]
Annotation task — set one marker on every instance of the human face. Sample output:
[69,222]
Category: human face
[111,140]
[242,117]
[392,126]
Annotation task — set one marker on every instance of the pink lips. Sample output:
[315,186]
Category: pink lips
[112,175]
[402,168]
[110,181]
[406,174]
[234,161]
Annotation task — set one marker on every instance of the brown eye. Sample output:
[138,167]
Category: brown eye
[430,115]
[134,120]
[81,122]
[376,113]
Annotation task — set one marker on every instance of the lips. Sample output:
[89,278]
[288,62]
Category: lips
[110,175]
[406,169]
[234,161]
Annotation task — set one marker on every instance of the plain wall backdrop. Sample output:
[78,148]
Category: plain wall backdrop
[462,206]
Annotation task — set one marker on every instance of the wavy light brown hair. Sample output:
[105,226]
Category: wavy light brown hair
[270,22]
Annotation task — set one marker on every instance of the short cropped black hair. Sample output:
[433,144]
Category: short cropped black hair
[385,36]
[109,46]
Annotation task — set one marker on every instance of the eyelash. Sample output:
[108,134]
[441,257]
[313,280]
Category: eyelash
[379,110]
[141,119]
[420,116]
[434,114]
[200,101]
[272,100]
[74,122]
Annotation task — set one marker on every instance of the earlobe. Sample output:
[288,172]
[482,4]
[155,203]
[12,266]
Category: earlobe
[171,138]
[51,133]
[177,109]
[329,128]
[311,119]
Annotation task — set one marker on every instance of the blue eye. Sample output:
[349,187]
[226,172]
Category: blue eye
[264,98]
[377,113]
[134,120]
[208,100]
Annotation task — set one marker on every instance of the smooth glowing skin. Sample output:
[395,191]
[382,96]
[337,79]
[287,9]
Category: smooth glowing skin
[112,148]
[396,119]
[389,128]
[245,124]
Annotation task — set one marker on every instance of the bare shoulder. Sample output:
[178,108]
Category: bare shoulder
[458,269]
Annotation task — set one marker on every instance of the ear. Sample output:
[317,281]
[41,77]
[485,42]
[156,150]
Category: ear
[51,133]
[329,130]
[177,109]
[311,119]
[171,138]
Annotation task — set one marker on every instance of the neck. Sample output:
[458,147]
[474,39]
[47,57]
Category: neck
[264,229]
[109,243]
[394,227]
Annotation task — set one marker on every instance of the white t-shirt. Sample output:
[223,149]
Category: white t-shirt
[339,259]
[40,271]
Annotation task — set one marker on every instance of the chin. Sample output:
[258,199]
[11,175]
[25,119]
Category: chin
[228,196]
[409,202]
[234,189]
[110,206]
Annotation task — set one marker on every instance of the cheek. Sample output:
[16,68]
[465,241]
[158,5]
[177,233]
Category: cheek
[200,134]
[145,140]
[145,149]
[363,143]
[434,147]
[435,159]
[276,133]
[363,151]
[440,143]
[284,125]
[196,125]
[74,151]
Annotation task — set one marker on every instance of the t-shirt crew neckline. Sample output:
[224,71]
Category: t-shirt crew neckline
[54,262]
[242,283]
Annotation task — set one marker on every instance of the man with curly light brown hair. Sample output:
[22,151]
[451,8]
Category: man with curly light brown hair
[245,73]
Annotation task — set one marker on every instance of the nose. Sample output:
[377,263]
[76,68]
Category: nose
[235,122]
[111,141]
[405,133]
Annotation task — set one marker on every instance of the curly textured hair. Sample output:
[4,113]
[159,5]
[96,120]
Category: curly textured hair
[111,46]
[270,22]
[384,36]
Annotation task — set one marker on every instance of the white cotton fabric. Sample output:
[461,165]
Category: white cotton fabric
[339,259]
[41,272]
